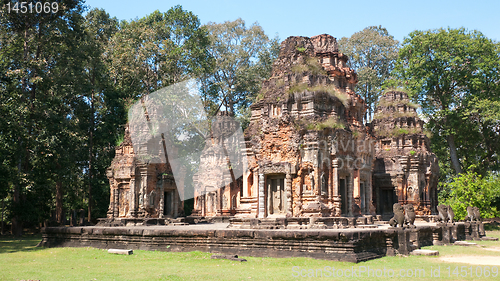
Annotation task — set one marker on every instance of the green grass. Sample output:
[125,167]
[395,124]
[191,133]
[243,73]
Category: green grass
[21,260]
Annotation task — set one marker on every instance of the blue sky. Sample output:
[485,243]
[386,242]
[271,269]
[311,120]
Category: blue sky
[337,18]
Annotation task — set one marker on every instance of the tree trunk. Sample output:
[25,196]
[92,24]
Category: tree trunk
[16,222]
[16,198]
[453,154]
[3,202]
[91,148]
[59,203]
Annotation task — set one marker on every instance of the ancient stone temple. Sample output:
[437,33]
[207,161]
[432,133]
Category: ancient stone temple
[140,189]
[218,181]
[405,170]
[308,151]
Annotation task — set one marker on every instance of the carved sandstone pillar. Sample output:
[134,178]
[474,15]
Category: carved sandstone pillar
[335,178]
[133,198]
[246,176]
[262,207]
[143,189]
[116,203]
[369,193]
[350,199]
[334,191]
[111,202]
[254,191]
[161,204]
[356,184]
[288,191]
[426,198]
[400,189]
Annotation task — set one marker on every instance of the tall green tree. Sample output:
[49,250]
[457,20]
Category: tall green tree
[453,74]
[243,59]
[101,106]
[372,52]
[39,58]
[158,50]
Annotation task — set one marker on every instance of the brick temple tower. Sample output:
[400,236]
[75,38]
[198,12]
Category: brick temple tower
[308,151]
[405,169]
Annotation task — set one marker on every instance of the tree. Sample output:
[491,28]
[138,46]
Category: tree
[40,57]
[243,59]
[372,53]
[449,73]
[100,97]
[157,51]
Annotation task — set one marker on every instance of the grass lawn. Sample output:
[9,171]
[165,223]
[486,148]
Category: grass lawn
[21,260]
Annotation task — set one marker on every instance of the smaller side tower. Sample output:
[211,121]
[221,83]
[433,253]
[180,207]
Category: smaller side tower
[405,169]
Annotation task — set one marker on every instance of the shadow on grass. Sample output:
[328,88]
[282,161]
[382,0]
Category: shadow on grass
[26,243]
[492,226]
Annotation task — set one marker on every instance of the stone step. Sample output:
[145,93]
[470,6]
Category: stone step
[489,238]
[120,251]
[464,243]
[420,252]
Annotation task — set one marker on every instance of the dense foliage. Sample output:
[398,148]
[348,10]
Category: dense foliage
[243,59]
[453,74]
[67,80]
[472,189]
[372,53]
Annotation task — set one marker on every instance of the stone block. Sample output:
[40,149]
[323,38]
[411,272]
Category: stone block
[446,234]
[464,243]
[481,229]
[489,238]
[403,245]
[120,251]
[420,252]
[458,231]
[414,238]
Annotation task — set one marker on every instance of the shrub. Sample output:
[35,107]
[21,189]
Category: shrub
[280,82]
[330,89]
[393,115]
[119,139]
[310,64]
[331,122]
[298,88]
[471,189]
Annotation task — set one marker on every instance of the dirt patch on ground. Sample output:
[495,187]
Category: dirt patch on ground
[476,260]
[495,249]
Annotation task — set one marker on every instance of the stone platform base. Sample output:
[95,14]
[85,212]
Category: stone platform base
[351,244]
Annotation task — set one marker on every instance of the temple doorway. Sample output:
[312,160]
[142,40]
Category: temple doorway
[343,196]
[211,202]
[387,200]
[168,210]
[276,195]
